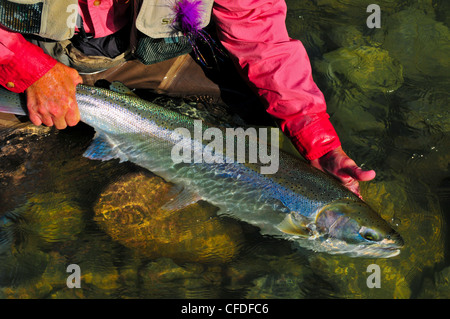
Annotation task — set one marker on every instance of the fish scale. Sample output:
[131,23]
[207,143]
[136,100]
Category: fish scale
[297,202]
[160,131]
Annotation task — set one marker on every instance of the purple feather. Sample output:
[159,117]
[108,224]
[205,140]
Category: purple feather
[188,20]
[188,17]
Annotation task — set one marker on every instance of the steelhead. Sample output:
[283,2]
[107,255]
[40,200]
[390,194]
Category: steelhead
[297,202]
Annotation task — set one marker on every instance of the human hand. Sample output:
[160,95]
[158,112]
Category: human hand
[51,99]
[339,165]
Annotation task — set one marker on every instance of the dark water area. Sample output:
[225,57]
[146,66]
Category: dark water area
[387,94]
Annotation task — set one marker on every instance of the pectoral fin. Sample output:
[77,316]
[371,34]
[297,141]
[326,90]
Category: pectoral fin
[104,148]
[184,198]
[294,224]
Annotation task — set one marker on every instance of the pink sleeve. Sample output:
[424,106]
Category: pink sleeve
[278,69]
[21,62]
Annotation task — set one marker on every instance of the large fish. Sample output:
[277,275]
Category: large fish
[297,202]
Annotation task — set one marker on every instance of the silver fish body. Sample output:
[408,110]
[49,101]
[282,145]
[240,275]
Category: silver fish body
[297,202]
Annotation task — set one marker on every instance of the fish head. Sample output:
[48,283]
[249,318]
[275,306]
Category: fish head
[351,227]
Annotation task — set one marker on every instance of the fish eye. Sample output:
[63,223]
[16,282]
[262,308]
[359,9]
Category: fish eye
[369,234]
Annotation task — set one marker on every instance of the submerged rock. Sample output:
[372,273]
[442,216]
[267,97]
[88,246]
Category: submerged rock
[347,36]
[426,109]
[49,218]
[437,287]
[355,12]
[419,42]
[20,147]
[129,210]
[352,278]
[20,275]
[366,67]
[354,112]
[285,277]
[415,219]
[163,278]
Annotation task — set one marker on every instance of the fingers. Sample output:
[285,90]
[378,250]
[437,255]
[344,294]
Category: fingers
[60,122]
[78,79]
[352,174]
[316,163]
[47,120]
[72,116]
[338,164]
[359,174]
[45,112]
[51,99]
[35,118]
[362,175]
[353,185]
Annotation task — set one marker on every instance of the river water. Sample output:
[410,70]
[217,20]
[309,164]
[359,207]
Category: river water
[387,94]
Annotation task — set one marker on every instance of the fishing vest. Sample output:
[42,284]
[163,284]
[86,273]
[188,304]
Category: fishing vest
[56,20]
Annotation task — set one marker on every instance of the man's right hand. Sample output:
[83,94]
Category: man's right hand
[338,164]
[51,99]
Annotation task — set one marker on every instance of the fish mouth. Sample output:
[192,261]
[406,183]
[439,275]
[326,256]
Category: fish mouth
[394,239]
[379,252]
[387,248]
[362,250]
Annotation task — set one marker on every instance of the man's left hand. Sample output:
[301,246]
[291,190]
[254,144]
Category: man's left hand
[339,165]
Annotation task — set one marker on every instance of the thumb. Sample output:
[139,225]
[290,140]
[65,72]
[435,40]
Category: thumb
[359,174]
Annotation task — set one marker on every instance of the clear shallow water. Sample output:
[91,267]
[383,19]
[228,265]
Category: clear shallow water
[387,93]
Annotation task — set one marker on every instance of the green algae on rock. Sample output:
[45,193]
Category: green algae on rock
[50,217]
[129,210]
[369,68]
[348,36]
[163,278]
[421,43]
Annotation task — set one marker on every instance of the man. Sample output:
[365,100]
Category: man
[253,32]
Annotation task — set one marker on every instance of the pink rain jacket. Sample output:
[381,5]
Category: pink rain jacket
[254,33]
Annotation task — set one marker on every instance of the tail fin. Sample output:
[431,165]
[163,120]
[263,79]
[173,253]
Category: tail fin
[11,102]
